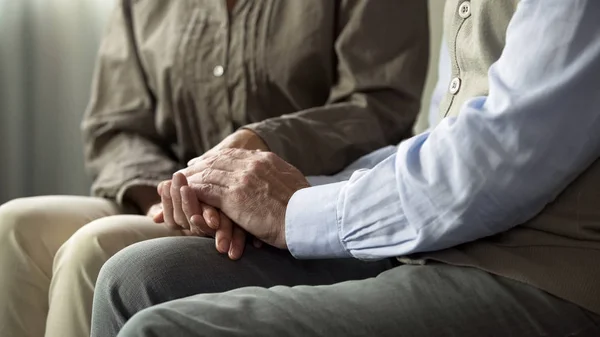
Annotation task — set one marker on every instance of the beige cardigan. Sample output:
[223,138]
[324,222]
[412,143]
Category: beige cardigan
[559,249]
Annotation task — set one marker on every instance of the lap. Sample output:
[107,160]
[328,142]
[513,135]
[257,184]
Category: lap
[50,214]
[122,230]
[94,243]
[41,225]
[160,270]
[431,300]
[59,227]
[183,266]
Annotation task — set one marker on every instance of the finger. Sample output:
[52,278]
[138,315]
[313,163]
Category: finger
[210,216]
[224,234]
[238,243]
[190,205]
[167,205]
[187,232]
[193,210]
[160,186]
[154,210]
[198,166]
[179,217]
[159,217]
[194,161]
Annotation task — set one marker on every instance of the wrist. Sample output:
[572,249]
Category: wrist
[252,141]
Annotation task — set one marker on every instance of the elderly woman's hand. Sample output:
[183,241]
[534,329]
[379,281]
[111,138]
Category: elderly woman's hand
[181,209]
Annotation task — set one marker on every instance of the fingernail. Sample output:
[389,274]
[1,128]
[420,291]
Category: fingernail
[224,245]
[233,253]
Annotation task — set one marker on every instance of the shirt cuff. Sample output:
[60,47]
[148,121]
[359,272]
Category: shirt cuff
[312,225]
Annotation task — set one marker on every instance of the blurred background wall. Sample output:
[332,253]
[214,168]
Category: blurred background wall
[47,52]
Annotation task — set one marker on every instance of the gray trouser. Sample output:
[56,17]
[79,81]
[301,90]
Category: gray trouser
[161,270]
[430,300]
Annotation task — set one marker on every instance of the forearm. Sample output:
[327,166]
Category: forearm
[324,140]
[495,166]
[376,96]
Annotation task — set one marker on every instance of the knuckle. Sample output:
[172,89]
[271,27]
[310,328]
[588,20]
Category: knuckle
[205,189]
[228,151]
[269,156]
[245,180]
[187,209]
[205,173]
[180,219]
[257,165]
[201,230]
[209,161]
[240,196]
[252,166]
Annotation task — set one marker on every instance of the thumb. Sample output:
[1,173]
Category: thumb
[159,217]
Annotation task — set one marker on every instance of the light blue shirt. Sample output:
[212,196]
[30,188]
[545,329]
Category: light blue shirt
[491,168]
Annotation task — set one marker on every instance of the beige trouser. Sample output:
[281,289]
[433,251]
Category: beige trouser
[51,250]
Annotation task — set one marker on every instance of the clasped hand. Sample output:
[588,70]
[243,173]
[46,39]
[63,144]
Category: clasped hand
[250,188]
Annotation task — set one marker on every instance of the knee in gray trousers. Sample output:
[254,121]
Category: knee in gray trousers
[165,269]
[407,301]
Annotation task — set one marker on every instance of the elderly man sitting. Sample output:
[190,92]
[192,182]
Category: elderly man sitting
[493,215]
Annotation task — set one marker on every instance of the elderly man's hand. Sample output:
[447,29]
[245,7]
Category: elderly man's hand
[180,209]
[252,188]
